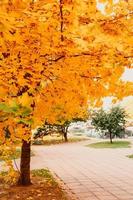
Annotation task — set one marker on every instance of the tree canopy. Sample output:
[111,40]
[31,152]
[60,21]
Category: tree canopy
[57,55]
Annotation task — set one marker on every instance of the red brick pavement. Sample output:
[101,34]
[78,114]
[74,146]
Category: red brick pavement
[91,174]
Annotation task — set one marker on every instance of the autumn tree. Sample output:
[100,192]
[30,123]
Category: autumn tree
[58,55]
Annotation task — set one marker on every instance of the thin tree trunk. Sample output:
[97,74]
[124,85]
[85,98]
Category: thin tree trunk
[110,135]
[65,137]
[24,178]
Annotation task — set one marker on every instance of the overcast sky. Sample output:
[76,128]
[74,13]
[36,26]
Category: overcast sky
[128,75]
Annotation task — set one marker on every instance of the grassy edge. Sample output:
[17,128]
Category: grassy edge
[107,144]
[130,156]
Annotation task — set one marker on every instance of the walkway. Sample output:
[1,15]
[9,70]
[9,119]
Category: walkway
[92,174]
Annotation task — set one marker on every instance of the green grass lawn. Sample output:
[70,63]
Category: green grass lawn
[115,144]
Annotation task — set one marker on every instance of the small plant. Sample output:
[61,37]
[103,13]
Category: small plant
[9,177]
[44,173]
[130,156]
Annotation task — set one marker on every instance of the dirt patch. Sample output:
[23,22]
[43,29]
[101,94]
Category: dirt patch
[42,188]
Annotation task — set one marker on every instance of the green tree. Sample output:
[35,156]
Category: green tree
[110,122]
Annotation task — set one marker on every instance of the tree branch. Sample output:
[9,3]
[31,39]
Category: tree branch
[61,18]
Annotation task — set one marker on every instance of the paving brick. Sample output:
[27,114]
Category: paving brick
[92,174]
[102,197]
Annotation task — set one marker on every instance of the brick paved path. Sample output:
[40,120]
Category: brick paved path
[92,174]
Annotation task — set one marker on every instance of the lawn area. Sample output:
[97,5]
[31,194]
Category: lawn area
[54,139]
[44,187]
[130,156]
[107,144]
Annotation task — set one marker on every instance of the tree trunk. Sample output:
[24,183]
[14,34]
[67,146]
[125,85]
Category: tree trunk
[65,136]
[24,178]
[110,135]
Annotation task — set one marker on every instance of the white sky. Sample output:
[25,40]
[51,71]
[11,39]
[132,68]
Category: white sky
[128,75]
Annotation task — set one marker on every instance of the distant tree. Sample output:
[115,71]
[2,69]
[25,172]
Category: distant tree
[111,122]
[62,129]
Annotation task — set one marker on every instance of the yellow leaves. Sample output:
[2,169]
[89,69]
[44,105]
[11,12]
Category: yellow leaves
[102,1]
[11,176]
[3,92]
[98,103]
[45,83]
[23,132]
[113,29]
[19,4]
[25,100]
[2,137]
[55,79]
[114,100]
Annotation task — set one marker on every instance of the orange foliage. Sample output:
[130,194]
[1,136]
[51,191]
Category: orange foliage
[57,55]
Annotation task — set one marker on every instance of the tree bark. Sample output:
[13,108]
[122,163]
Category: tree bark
[110,135]
[24,178]
[65,137]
